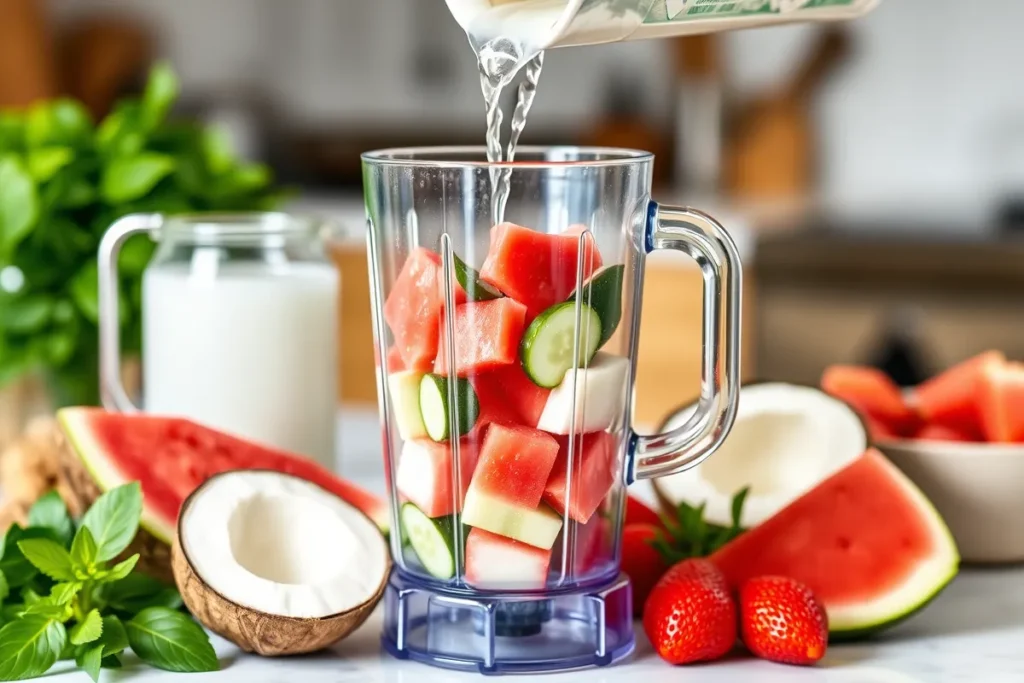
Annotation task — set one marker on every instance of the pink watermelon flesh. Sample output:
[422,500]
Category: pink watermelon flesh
[515,463]
[493,561]
[859,536]
[487,336]
[593,475]
[534,268]
[523,399]
[170,457]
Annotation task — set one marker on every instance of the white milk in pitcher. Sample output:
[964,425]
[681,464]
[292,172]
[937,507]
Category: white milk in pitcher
[247,348]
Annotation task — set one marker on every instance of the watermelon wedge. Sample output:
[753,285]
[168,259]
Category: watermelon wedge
[1001,402]
[865,540]
[872,394]
[951,398]
[171,457]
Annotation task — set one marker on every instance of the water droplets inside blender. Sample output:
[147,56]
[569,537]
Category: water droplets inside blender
[499,60]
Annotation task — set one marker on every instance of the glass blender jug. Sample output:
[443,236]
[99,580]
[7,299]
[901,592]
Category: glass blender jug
[506,359]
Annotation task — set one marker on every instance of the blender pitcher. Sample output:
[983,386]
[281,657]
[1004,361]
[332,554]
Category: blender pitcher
[506,366]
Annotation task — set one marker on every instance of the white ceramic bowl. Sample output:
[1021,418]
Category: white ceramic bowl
[978,489]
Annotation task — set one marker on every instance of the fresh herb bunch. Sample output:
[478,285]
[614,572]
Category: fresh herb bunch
[690,535]
[62,598]
[63,181]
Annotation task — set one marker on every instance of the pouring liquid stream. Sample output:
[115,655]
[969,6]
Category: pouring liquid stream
[499,60]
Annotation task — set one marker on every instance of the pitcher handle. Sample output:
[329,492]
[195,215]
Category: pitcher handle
[112,393]
[705,241]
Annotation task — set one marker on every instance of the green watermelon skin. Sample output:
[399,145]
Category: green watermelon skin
[866,541]
[171,457]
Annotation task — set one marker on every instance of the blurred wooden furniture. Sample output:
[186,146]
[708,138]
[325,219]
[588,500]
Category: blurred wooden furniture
[27,69]
[770,152]
[101,58]
[668,370]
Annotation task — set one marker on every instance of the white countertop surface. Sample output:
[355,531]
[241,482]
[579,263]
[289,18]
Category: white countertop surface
[974,632]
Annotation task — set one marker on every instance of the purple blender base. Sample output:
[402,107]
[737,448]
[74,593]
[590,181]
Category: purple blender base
[495,633]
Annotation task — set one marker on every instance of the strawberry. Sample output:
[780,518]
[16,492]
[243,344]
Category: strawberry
[641,561]
[781,620]
[690,615]
[638,513]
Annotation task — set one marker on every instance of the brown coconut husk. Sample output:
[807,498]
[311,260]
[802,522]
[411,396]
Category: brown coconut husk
[259,632]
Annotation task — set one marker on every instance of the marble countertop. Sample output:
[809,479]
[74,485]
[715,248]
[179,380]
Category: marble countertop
[974,632]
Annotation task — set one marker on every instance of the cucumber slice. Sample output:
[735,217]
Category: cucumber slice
[476,288]
[431,540]
[435,409]
[546,349]
[405,401]
[603,293]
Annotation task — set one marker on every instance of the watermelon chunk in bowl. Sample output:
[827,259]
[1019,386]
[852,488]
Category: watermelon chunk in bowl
[170,458]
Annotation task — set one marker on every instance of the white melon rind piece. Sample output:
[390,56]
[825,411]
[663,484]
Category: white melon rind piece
[498,563]
[600,397]
[404,388]
[538,527]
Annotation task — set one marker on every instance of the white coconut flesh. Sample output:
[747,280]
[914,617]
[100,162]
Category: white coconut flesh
[281,545]
[786,439]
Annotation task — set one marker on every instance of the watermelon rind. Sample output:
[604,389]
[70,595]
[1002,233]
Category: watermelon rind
[75,423]
[924,585]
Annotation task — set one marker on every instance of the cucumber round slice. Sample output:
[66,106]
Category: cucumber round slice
[476,288]
[603,293]
[547,346]
[431,539]
[434,406]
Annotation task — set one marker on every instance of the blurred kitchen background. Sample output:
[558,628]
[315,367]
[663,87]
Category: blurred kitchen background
[873,173]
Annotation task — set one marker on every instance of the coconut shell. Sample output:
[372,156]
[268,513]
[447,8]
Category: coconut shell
[81,491]
[265,634]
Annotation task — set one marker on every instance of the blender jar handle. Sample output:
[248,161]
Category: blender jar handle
[112,392]
[705,241]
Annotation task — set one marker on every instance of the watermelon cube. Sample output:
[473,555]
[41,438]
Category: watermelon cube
[1002,402]
[952,397]
[487,335]
[522,401]
[515,463]
[413,309]
[425,474]
[535,268]
[497,562]
[594,472]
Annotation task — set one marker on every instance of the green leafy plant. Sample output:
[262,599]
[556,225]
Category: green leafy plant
[63,181]
[63,597]
[690,535]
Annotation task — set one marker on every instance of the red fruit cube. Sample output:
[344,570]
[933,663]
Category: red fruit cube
[515,463]
[593,474]
[487,336]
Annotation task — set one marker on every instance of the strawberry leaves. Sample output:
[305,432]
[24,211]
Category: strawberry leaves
[688,534]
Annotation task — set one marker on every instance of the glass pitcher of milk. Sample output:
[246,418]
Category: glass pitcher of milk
[239,326]
[535,25]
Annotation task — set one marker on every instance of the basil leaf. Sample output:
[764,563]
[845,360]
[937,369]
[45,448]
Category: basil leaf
[63,593]
[87,630]
[111,662]
[113,519]
[29,647]
[90,661]
[48,557]
[161,91]
[51,512]
[85,291]
[126,179]
[44,163]
[19,202]
[136,592]
[5,590]
[114,638]
[61,122]
[171,641]
[83,550]
[119,570]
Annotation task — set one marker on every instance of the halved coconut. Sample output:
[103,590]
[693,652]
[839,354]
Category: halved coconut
[786,439]
[276,564]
